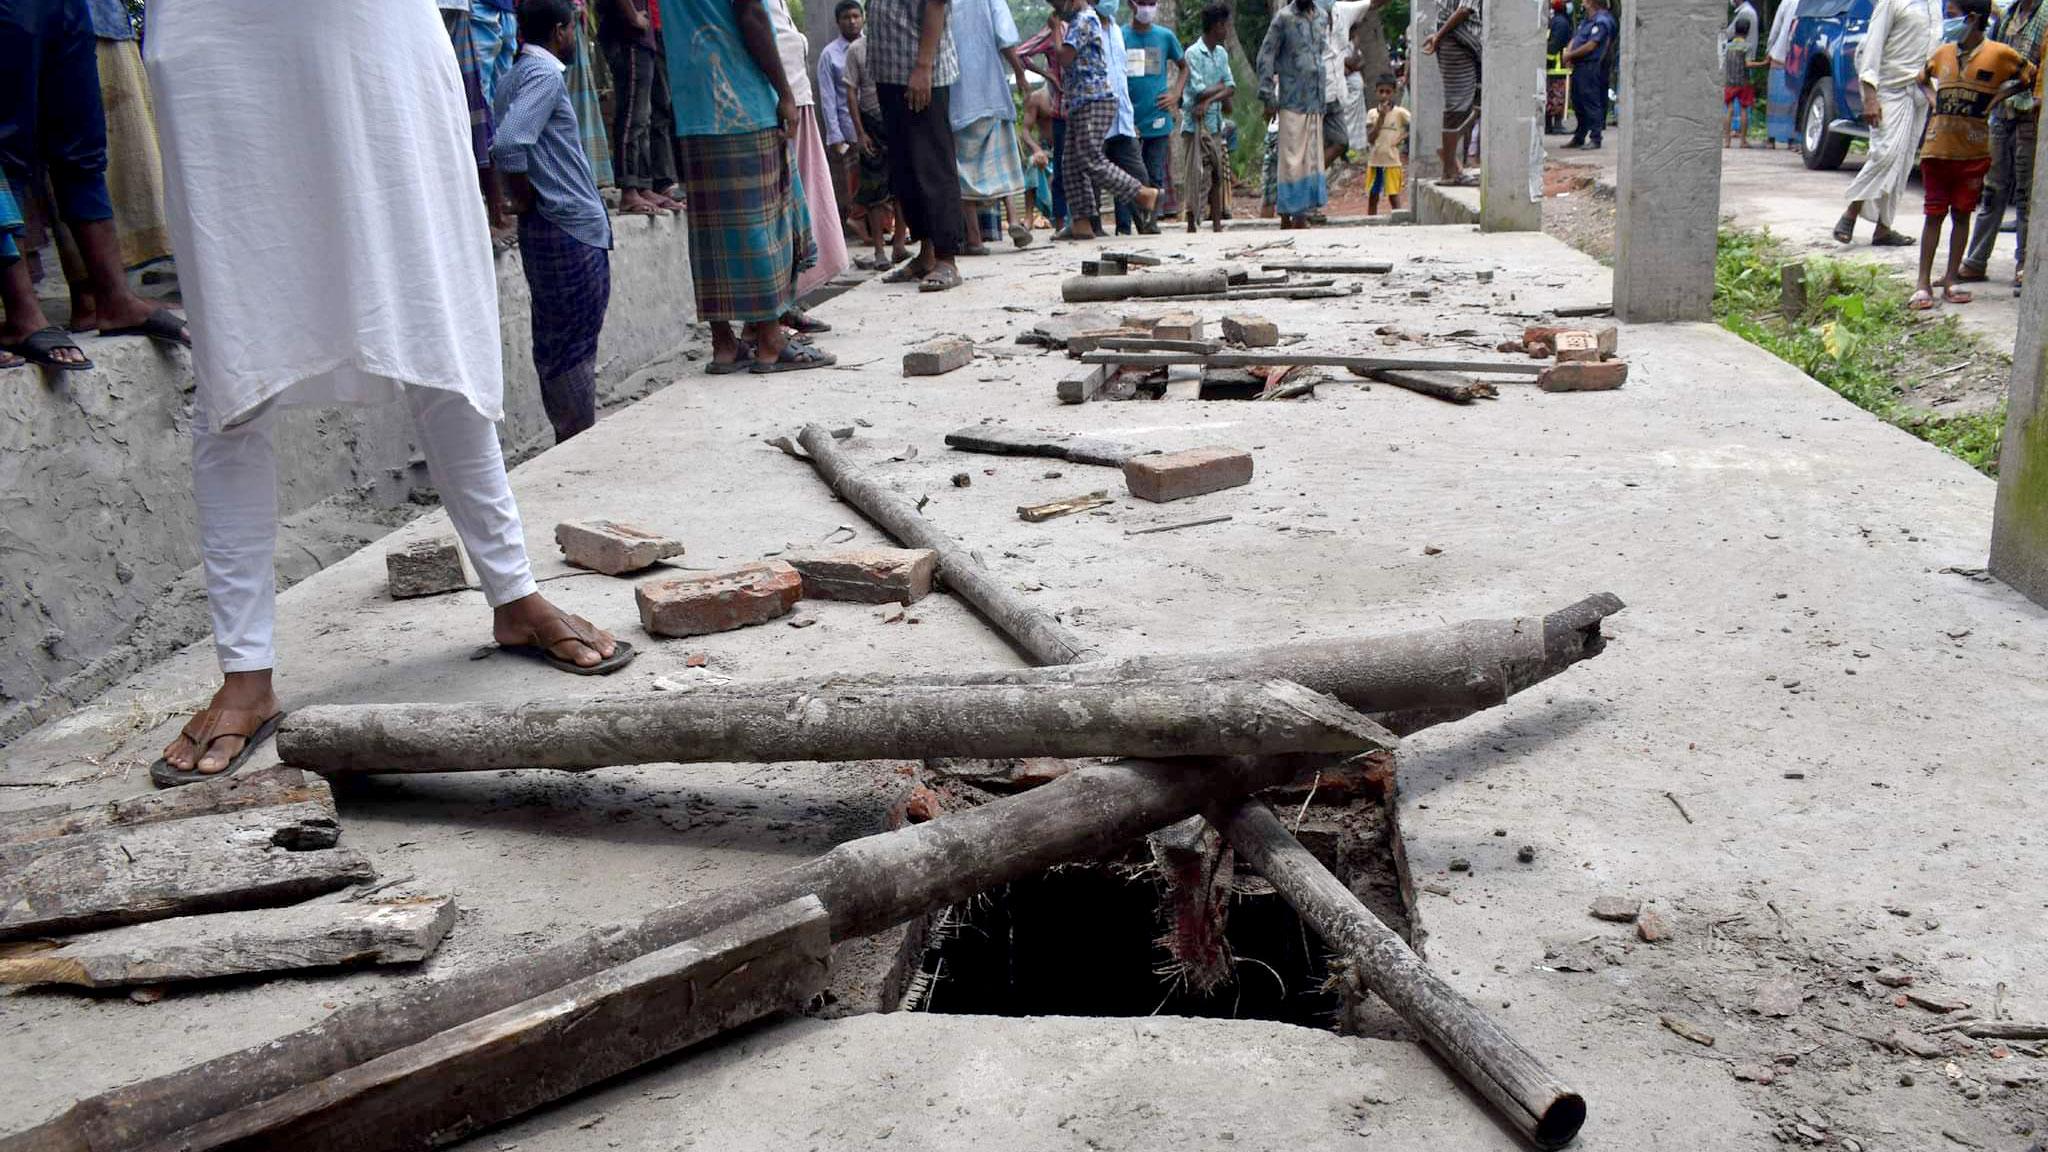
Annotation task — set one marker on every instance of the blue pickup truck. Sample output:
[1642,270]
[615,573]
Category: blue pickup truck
[1820,71]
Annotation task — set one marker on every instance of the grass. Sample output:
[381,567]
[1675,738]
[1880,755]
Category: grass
[1857,337]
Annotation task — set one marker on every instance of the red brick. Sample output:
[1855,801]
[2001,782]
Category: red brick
[869,575]
[718,601]
[1178,326]
[1608,341]
[424,568]
[1250,331]
[938,357]
[612,548]
[1542,333]
[1577,346]
[1584,377]
[1178,475]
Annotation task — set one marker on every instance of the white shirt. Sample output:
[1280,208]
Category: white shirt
[1781,30]
[1344,16]
[1901,36]
[794,49]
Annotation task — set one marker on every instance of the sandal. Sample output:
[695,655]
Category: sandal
[941,277]
[1892,240]
[797,321]
[1845,230]
[10,360]
[42,346]
[566,629]
[162,324]
[737,364]
[1020,235]
[795,357]
[974,250]
[1956,295]
[1969,275]
[1922,301]
[206,728]
[907,274]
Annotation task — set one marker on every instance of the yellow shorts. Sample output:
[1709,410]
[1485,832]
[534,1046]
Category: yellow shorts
[1384,181]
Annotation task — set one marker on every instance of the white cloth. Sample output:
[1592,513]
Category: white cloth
[1902,35]
[234,484]
[1781,30]
[1344,16]
[794,48]
[1894,145]
[1356,130]
[322,197]
[1119,63]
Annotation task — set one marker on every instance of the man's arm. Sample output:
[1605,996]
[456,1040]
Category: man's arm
[757,34]
[526,114]
[930,32]
[1017,69]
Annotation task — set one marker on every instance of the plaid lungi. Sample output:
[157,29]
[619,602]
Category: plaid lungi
[464,40]
[750,233]
[571,285]
[495,34]
[582,79]
[986,152]
[10,223]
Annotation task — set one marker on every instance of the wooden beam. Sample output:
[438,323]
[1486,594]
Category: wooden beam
[1086,386]
[1337,267]
[827,724]
[402,930]
[1509,1076]
[1142,259]
[1000,440]
[1154,344]
[1036,513]
[256,788]
[1440,385]
[1363,365]
[512,1061]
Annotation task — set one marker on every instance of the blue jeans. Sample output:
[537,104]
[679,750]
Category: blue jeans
[51,121]
[1123,151]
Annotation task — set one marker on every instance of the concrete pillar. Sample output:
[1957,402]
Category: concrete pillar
[1425,99]
[1669,199]
[1511,140]
[2019,528]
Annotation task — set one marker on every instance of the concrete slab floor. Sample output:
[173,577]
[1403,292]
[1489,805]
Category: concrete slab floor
[1853,730]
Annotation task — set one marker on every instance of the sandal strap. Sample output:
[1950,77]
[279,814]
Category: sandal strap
[565,629]
[209,725]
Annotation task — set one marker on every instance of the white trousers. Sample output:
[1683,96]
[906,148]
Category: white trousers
[234,482]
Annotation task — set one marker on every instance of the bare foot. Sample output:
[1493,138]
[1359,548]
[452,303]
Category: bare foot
[32,321]
[239,691]
[1081,229]
[532,620]
[1147,198]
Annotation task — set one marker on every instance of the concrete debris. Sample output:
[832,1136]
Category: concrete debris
[1778,997]
[719,601]
[1651,927]
[938,356]
[1526,854]
[1940,1005]
[611,547]
[962,480]
[1754,1073]
[1191,472]
[425,568]
[1618,909]
[869,575]
[1182,326]
[1911,1043]
[1247,330]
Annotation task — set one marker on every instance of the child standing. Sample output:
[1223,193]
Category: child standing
[1386,133]
[1969,80]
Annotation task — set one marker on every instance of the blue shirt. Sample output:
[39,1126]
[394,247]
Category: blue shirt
[537,136]
[1087,78]
[110,20]
[832,107]
[1207,67]
[1149,49]
[718,89]
[1119,65]
[1598,28]
[981,30]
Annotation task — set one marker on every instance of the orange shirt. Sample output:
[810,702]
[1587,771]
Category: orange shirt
[1963,93]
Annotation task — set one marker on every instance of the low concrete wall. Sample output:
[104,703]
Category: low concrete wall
[1437,205]
[96,516]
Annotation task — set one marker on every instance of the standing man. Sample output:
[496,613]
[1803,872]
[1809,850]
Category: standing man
[1291,76]
[135,178]
[1155,54]
[1589,56]
[1343,17]
[1557,78]
[1778,86]
[833,107]
[565,238]
[1121,146]
[750,232]
[813,171]
[1085,60]
[319,274]
[915,66]
[1900,39]
[626,32]
[1209,87]
[2014,125]
[1455,44]
[1971,79]
[1738,96]
[984,116]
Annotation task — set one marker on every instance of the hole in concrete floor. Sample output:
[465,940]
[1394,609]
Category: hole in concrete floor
[1086,940]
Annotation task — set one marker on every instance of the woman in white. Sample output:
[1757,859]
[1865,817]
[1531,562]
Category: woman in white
[1901,37]
[331,243]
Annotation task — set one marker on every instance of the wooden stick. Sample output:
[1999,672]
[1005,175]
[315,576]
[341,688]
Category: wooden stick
[999,440]
[1441,385]
[830,725]
[1206,520]
[1043,638]
[1365,267]
[1537,1103]
[1038,513]
[499,1066]
[1140,258]
[1364,365]
[1152,344]
[256,788]
[1308,291]
[1094,289]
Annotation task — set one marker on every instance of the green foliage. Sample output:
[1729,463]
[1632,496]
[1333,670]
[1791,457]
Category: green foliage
[1859,340]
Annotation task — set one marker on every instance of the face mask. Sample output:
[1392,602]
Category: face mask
[1109,9]
[1143,14]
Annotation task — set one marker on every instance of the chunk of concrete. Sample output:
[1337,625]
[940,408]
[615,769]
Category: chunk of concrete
[869,575]
[1250,331]
[719,601]
[612,548]
[1178,326]
[425,568]
[939,356]
[1192,472]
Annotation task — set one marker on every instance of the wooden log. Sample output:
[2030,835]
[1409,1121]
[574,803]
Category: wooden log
[1509,1076]
[1098,289]
[831,725]
[1441,385]
[1337,267]
[499,1066]
[999,440]
[1037,513]
[866,885]
[402,930]
[1363,365]
[1046,640]
[256,788]
[217,863]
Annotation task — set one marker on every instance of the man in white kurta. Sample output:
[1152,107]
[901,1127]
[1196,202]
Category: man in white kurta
[1901,37]
[332,247]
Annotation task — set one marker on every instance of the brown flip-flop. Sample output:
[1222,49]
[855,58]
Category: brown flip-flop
[207,727]
[575,628]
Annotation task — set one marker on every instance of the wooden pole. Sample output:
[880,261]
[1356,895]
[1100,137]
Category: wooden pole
[831,725]
[1539,1105]
[1442,386]
[1363,365]
[1333,267]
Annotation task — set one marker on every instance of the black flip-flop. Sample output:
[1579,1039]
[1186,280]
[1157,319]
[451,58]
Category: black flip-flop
[795,357]
[162,324]
[622,655]
[1893,240]
[975,250]
[164,775]
[41,347]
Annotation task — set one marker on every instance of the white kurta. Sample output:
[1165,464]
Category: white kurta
[323,202]
[1901,36]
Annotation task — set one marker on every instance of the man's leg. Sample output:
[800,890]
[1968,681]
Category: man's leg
[1129,158]
[2025,137]
[1958,237]
[970,217]
[1074,171]
[1930,239]
[661,130]
[1991,213]
[1058,178]
[630,103]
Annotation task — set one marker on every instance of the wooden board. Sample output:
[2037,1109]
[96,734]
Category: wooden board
[1072,504]
[257,788]
[1001,440]
[487,1071]
[1086,386]
[216,863]
[1364,365]
[402,930]
[1333,267]
[1442,385]
[1156,344]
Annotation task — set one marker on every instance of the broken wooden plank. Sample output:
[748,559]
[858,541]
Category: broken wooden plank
[1441,385]
[1097,289]
[1104,266]
[216,863]
[1575,311]
[1365,365]
[499,1066]
[829,724]
[1086,386]
[1154,344]
[1034,513]
[1333,267]
[1054,332]
[255,788]
[1508,1075]
[403,930]
[1138,258]
[1206,520]
[1305,291]
[999,440]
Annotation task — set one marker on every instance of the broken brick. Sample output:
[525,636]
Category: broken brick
[1542,333]
[1619,909]
[424,568]
[612,548]
[1537,351]
[1576,346]
[939,356]
[1651,928]
[1249,331]
[718,601]
[869,575]
[1178,326]
[1193,472]
[1608,341]
[1584,377]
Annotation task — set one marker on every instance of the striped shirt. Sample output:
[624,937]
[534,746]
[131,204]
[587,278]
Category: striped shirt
[893,31]
[537,136]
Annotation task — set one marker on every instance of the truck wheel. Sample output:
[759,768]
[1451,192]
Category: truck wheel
[1822,150]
